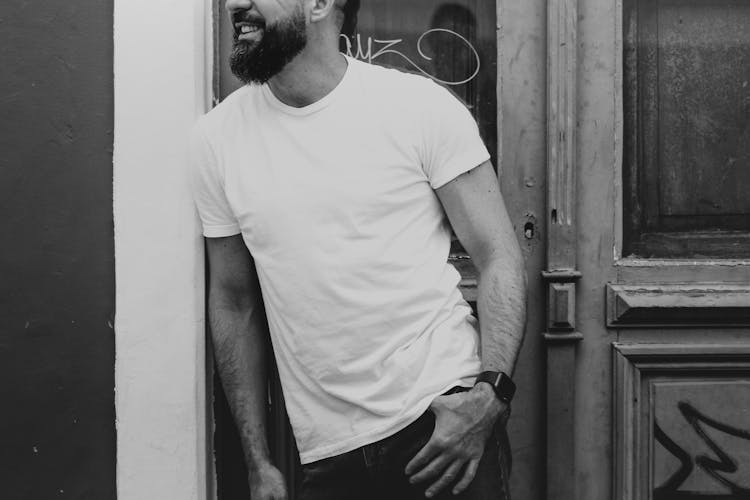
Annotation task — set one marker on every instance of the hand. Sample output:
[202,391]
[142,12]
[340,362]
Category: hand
[463,422]
[267,483]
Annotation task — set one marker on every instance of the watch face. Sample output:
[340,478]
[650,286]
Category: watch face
[501,383]
[506,386]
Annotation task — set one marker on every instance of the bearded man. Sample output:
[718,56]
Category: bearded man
[325,187]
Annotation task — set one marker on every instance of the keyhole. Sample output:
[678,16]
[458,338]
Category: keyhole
[528,230]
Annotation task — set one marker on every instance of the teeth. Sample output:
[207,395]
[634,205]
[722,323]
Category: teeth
[248,29]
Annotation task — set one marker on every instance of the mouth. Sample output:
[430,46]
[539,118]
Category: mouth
[248,27]
[248,31]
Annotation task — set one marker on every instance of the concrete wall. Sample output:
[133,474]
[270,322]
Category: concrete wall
[57,418]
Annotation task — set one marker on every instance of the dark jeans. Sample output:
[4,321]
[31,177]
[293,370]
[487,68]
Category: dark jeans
[376,471]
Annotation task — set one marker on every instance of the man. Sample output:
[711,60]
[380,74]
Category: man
[325,183]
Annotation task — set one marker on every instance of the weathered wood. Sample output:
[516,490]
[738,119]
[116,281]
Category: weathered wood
[522,86]
[686,156]
[603,76]
[638,368]
[561,132]
[561,271]
[562,303]
[680,305]
[561,472]
[713,244]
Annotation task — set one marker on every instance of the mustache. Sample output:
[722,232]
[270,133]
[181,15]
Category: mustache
[246,16]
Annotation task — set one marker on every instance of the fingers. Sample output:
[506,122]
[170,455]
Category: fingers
[471,471]
[422,458]
[448,477]
[432,470]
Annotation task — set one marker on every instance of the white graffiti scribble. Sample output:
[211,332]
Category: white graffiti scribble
[371,49]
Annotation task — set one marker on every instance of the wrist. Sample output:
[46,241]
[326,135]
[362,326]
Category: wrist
[492,406]
[502,385]
[257,462]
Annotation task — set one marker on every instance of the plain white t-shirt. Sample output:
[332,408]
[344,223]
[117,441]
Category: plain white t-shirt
[336,203]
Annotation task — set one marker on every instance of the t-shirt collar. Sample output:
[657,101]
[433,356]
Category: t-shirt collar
[321,103]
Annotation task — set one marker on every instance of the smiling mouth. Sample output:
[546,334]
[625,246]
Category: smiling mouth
[247,24]
[244,29]
[248,30]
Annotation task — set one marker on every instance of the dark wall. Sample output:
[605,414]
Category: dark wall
[57,418]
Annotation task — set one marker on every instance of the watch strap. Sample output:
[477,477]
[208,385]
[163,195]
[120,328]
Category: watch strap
[501,383]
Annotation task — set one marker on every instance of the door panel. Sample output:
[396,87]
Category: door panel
[681,421]
[661,373]
[687,128]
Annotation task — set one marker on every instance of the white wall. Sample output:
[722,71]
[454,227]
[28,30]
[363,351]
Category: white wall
[162,62]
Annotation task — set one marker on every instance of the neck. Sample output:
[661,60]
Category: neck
[309,77]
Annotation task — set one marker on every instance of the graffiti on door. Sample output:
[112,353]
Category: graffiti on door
[370,49]
[719,465]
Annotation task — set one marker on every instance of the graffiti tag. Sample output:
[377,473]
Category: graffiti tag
[370,49]
[722,462]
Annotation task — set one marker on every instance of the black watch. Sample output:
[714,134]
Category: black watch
[501,383]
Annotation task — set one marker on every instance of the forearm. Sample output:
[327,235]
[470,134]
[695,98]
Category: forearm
[240,349]
[501,305]
[465,421]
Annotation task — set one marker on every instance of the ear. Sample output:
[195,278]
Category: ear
[321,9]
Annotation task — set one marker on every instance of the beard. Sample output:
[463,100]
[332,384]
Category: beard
[257,62]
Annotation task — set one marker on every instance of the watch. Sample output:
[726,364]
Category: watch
[501,383]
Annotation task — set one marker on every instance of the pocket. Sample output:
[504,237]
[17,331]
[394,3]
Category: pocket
[400,448]
[455,389]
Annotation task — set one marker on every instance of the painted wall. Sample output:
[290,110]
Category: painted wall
[161,68]
[57,423]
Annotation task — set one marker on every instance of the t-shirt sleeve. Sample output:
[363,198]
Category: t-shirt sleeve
[451,142]
[207,185]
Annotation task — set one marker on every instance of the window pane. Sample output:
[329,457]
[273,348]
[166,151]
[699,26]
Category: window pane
[687,127]
[704,126]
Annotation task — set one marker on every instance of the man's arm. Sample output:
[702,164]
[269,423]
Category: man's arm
[240,341]
[476,210]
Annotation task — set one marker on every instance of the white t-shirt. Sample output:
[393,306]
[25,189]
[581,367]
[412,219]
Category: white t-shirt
[336,203]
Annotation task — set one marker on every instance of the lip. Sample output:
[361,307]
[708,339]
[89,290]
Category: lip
[255,29]
[255,32]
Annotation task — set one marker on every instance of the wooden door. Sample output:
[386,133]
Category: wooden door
[648,278]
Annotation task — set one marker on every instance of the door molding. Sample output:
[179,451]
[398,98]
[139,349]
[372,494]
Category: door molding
[689,305]
[561,275]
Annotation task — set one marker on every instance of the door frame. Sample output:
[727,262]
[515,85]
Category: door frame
[163,57]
